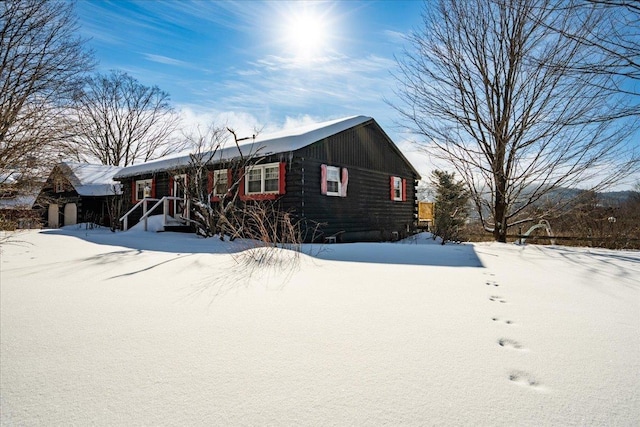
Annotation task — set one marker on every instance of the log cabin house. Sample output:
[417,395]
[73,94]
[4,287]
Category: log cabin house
[346,175]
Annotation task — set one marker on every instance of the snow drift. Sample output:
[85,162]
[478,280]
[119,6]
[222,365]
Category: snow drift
[168,329]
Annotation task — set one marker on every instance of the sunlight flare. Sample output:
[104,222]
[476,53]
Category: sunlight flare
[306,34]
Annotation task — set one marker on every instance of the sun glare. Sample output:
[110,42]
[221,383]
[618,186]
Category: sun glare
[306,35]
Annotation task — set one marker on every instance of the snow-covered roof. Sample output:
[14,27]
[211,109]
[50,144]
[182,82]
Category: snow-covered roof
[21,201]
[92,180]
[263,145]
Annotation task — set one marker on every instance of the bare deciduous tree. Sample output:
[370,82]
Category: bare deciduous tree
[42,62]
[617,37]
[495,88]
[209,217]
[120,121]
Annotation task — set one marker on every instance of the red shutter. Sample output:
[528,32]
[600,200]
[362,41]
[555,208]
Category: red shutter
[241,186]
[210,183]
[345,182]
[391,186]
[133,192]
[281,181]
[323,179]
[153,188]
[171,181]
[404,190]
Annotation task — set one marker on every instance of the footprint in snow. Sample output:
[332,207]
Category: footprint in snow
[497,298]
[505,342]
[491,283]
[524,379]
[496,319]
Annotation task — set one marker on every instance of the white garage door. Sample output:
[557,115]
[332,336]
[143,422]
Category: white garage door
[70,214]
[53,216]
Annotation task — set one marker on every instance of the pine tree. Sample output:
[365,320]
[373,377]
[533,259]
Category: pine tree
[451,205]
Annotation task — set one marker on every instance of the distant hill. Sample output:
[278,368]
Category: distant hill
[565,197]
[615,197]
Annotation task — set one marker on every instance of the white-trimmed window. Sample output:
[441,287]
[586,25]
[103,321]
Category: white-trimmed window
[143,188]
[262,179]
[398,189]
[220,182]
[333,181]
[59,186]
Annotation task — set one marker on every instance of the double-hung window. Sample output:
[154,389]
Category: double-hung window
[398,189]
[220,182]
[265,179]
[333,181]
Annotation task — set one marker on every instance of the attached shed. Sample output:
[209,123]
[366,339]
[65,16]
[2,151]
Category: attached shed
[346,175]
[79,192]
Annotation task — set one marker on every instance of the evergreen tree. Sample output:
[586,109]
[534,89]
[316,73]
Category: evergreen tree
[451,205]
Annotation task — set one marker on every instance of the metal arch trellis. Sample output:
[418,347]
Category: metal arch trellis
[543,223]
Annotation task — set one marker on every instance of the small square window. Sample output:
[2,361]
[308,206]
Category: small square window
[143,188]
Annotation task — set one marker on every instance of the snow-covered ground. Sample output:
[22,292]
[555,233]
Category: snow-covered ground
[168,329]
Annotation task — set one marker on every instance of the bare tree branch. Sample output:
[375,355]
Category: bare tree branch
[42,63]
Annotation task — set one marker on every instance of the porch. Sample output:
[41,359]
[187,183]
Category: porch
[173,218]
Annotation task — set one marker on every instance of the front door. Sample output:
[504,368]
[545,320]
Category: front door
[181,207]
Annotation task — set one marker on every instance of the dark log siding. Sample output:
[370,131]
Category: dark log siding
[365,146]
[367,213]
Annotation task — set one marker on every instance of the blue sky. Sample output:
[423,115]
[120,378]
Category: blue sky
[272,64]
[264,65]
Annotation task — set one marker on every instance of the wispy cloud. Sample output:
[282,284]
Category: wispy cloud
[395,36]
[166,60]
[333,84]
